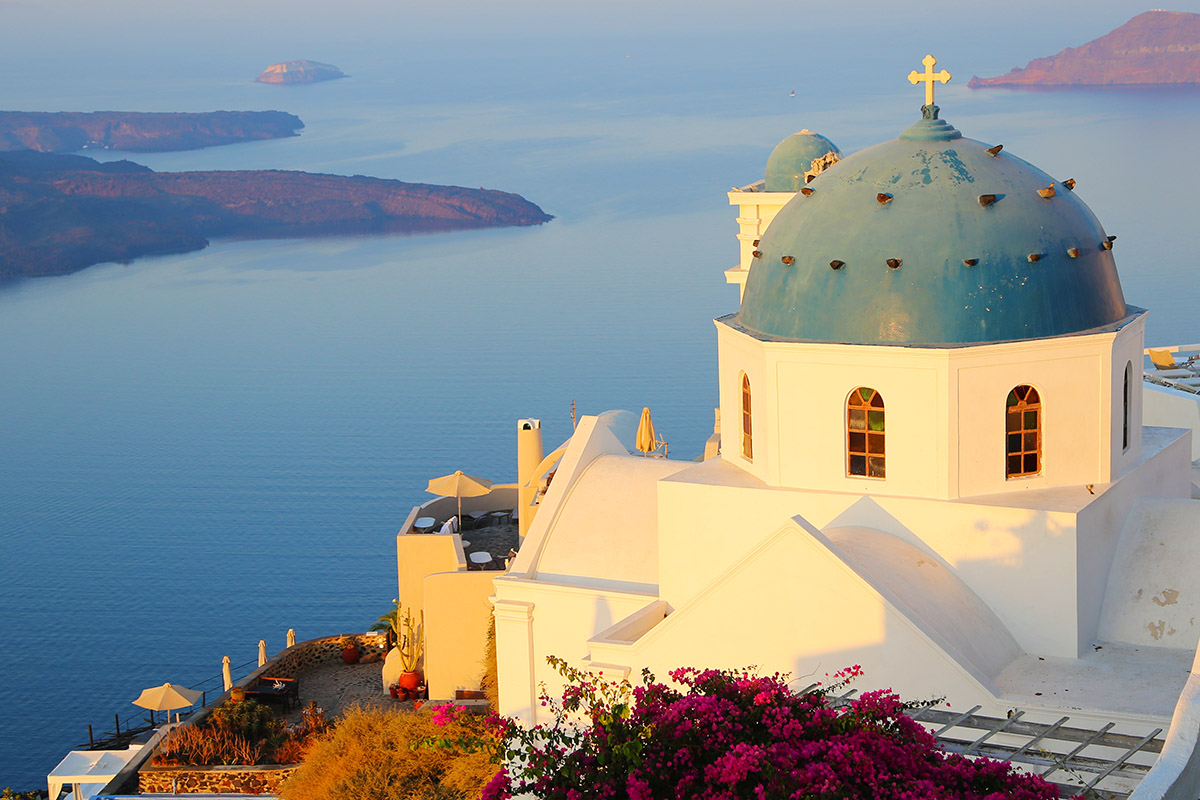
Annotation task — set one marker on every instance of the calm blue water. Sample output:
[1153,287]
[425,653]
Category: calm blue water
[203,450]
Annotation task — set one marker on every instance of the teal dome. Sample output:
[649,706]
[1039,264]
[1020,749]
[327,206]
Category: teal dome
[932,239]
[794,157]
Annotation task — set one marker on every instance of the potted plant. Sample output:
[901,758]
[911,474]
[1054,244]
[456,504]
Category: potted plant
[411,645]
[403,661]
[350,651]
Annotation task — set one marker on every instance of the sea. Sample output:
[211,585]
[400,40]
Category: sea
[199,451]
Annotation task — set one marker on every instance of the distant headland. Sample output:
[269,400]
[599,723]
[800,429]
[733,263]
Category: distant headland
[62,213]
[1152,49]
[69,131]
[300,72]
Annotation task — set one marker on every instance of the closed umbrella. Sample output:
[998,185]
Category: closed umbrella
[225,673]
[459,485]
[645,433]
[262,652]
[291,637]
[167,697]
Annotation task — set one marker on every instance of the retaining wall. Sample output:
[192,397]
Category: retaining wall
[213,780]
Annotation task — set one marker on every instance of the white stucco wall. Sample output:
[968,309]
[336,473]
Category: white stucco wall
[1170,408]
[1152,599]
[945,411]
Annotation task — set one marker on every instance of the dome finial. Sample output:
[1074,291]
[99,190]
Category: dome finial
[929,76]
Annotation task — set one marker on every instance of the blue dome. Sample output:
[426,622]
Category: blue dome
[932,239]
[797,156]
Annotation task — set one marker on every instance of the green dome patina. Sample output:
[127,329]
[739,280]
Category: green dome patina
[901,244]
[794,157]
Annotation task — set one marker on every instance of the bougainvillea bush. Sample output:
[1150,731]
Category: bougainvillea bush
[729,735]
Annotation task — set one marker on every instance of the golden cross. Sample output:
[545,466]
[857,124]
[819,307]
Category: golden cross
[929,76]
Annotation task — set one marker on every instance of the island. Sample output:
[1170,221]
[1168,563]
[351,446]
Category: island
[301,71]
[69,131]
[62,213]
[1152,49]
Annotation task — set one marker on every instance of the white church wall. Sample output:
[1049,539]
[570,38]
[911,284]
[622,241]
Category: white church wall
[592,439]
[1127,349]
[1072,380]
[738,356]
[790,605]
[1161,471]
[799,403]
[560,619]
[814,453]
[1019,560]
[1151,599]
[606,531]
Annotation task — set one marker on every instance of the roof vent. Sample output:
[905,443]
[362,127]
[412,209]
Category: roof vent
[835,264]
[986,200]
[884,198]
[789,260]
[894,263]
[970,262]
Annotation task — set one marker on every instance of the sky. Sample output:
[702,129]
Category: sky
[135,30]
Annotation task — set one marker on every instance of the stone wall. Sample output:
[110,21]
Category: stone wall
[212,780]
[314,652]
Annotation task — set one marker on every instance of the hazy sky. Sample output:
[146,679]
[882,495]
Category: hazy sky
[31,26]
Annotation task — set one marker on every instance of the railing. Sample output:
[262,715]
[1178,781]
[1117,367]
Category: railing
[135,723]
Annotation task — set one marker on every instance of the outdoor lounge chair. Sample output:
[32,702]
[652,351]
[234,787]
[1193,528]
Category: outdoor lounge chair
[1166,367]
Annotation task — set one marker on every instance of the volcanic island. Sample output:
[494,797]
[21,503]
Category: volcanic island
[61,213]
[1156,48]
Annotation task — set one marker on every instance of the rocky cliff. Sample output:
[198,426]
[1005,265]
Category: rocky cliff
[68,131]
[62,213]
[301,71]
[1154,48]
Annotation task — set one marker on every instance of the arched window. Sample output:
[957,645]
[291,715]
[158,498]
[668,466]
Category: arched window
[1126,397]
[1023,425]
[864,433]
[747,426]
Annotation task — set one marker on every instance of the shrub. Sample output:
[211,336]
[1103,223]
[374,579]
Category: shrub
[241,732]
[371,755]
[727,735]
[246,718]
[194,744]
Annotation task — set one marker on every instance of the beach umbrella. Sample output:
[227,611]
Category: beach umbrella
[167,697]
[459,485]
[225,673]
[645,433]
[291,637]
[262,652]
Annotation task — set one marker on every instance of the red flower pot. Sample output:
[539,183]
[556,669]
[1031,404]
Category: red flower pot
[350,654]
[409,681]
[394,691]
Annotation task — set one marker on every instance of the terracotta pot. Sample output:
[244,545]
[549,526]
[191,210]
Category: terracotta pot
[350,654]
[394,691]
[237,694]
[409,681]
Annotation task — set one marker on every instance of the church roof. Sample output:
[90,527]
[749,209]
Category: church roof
[932,238]
[793,157]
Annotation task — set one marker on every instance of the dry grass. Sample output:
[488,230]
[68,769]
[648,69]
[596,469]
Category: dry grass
[370,756]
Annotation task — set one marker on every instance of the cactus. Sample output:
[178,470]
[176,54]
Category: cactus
[409,638]
[411,641]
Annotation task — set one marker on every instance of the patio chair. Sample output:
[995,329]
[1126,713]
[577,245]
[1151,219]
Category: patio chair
[1166,367]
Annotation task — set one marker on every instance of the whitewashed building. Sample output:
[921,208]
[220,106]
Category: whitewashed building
[932,464]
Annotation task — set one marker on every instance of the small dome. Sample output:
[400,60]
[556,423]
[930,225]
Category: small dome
[932,239]
[799,155]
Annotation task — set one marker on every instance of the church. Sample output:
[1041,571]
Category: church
[932,463]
